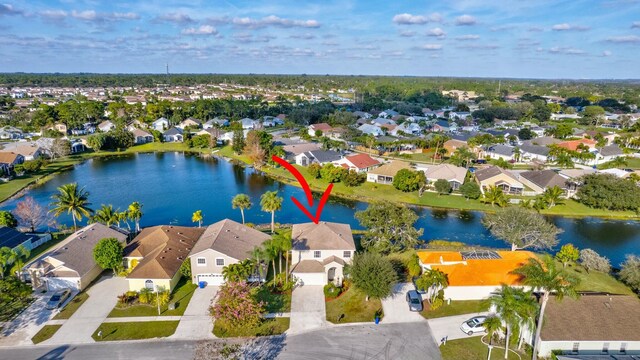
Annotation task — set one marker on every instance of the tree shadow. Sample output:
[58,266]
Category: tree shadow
[57,353]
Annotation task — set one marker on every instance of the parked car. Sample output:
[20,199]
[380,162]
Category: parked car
[414,300]
[473,325]
[58,298]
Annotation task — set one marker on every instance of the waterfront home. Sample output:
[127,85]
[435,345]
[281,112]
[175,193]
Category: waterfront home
[384,174]
[498,177]
[320,252]
[358,162]
[8,160]
[161,124]
[106,126]
[173,135]
[141,137]
[292,149]
[594,324]
[70,263]
[475,274]
[369,129]
[323,127]
[540,180]
[154,256]
[455,175]
[29,150]
[318,157]
[189,122]
[222,244]
[13,238]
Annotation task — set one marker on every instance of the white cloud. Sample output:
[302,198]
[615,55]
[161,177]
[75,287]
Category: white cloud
[409,19]
[466,20]
[8,9]
[566,51]
[607,53]
[202,30]
[436,32]
[431,47]
[635,25]
[632,39]
[92,15]
[468,37]
[569,27]
[273,20]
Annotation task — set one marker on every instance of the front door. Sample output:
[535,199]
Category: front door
[332,274]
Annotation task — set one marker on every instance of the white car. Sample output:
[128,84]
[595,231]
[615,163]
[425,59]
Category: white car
[473,325]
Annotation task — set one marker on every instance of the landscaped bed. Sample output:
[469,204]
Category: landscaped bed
[455,308]
[45,333]
[135,330]
[472,348]
[267,327]
[351,307]
[72,306]
[181,296]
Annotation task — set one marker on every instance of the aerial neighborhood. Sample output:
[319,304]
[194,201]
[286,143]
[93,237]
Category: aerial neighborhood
[528,172]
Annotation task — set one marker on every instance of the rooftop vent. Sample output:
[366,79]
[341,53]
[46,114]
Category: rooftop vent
[179,233]
[236,237]
[161,257]
[227,230]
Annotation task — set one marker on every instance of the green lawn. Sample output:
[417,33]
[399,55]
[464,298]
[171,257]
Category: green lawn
[473,349]
[72,306]
[632,163]
[275,303]
[267,327]
[135,330]
[597,281]
[45,333]
[351,307]
[8,189]
[181,296]
[455,308]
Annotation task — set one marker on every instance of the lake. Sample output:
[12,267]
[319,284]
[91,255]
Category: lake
[171,186]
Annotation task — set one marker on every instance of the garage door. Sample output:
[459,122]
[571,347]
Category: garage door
[311,278]
[211,279]
[54,284]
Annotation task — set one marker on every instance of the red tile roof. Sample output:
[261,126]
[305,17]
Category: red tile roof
[362,161]
[573,144]
[321,127]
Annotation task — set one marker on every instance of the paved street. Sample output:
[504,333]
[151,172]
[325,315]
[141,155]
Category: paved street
[21,329]
[395,307]
[82,324]
[307,309]
[450,327]
[196,322]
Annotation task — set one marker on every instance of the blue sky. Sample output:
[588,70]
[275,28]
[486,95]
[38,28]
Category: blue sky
[512,38]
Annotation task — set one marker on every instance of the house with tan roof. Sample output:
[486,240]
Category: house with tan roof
[384,174]
[475,274]
[324,127]
[498,177]
[154,256]
[320,252]
[223,243]
[141,136]
[455,175]
[30,151]
[8,160]
[453,144]
[189,122]
[70,264]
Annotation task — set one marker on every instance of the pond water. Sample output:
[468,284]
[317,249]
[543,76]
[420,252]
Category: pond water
[171,186]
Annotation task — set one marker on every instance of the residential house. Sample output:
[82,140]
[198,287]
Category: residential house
[141,137]
[615,172]
[223,243]
[291,150]
[13,238]
[362,114]
[444,126]
[388,113]
[161,124]
[8,160]
[572,145]
[369,129]
[453,144]
[475,274]
[459,115]
[214,133]
[384,174]
[250,124]
[30,151]
[534,152]
[70,263]
[189,122]
[542,141]
[154,256]
[59,127]
[317,156]
[106,126]
[455,175]
[358,162]
[323,127]
[608,153]
[408,128]
[382,121]
[499,151]
[173,135]
[215,122]
[320,252]
[593,324]
[499,177]
[540,180]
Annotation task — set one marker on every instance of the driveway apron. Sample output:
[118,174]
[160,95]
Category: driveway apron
[196,322]
[307,309]
[395,307]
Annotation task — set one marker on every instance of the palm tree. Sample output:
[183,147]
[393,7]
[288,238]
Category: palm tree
[239,271]
[526,203]
[553,196]
[72,200]
[491,324]
[257,255]
[282,240]
[495,195]
[432,281]
[7,257]
[516,154]
[564,160]
[241,201]
[20,256]
[510,304]
[271,251]
[271,202]
[618,162]
[370,141]
[546,277]
[134,212]
[106,215]
[197,217]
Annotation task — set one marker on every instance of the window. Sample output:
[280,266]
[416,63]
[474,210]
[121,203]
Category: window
[346,254]
[605,348]
[220,262]
[623,348]
[317,254]
[202,262]
[576,347]
[148,284]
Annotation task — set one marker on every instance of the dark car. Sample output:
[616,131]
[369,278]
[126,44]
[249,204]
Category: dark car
[414,300]
[58,298]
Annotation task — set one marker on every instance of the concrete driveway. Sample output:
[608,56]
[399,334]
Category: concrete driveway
[103,296]
[196,322]
[395,307]
[28,323]
[450,327]
[308,310]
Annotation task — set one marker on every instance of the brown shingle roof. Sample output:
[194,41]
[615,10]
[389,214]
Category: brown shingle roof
[230,238]
[545,178]
[163,249]
[8,157]
[322,236]
[489,172]
[308,266]
[390,169]
[592,318]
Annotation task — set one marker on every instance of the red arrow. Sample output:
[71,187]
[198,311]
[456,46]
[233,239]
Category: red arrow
[307,190]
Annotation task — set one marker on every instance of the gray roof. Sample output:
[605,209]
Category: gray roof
[230,238]
[544,140]
[611,150]
[545,178]
[535,149]
[500,149]
[173,131]
[11,237]
[324,156]
[322,236]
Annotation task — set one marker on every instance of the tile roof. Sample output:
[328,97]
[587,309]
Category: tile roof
[362,161]
[573,144]
[230,238]
[8,157]
[173,131]
[477,272]
[322,236]
[611,150]
[301,147]
[592,317]
[321,126]
[535,149]
[324,156]
[447,172]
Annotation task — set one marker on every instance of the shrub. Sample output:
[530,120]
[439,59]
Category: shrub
[408,180]
[314,170]
[413,266]
[470,190]
[145,296]
[630,272]
[373,274]
[442,186]
[331,291]
[567,254]
[591,260]
[236,306]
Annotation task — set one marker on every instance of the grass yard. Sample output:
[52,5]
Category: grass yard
[45,333]
[597,281]
[632,163]
[72,306]
[268,327]
[135,330]
[275,303]
[455,308]
[181,296]
[351,307]
[473,349]
[8,189]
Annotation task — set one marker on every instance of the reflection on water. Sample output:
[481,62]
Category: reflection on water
[171,186]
